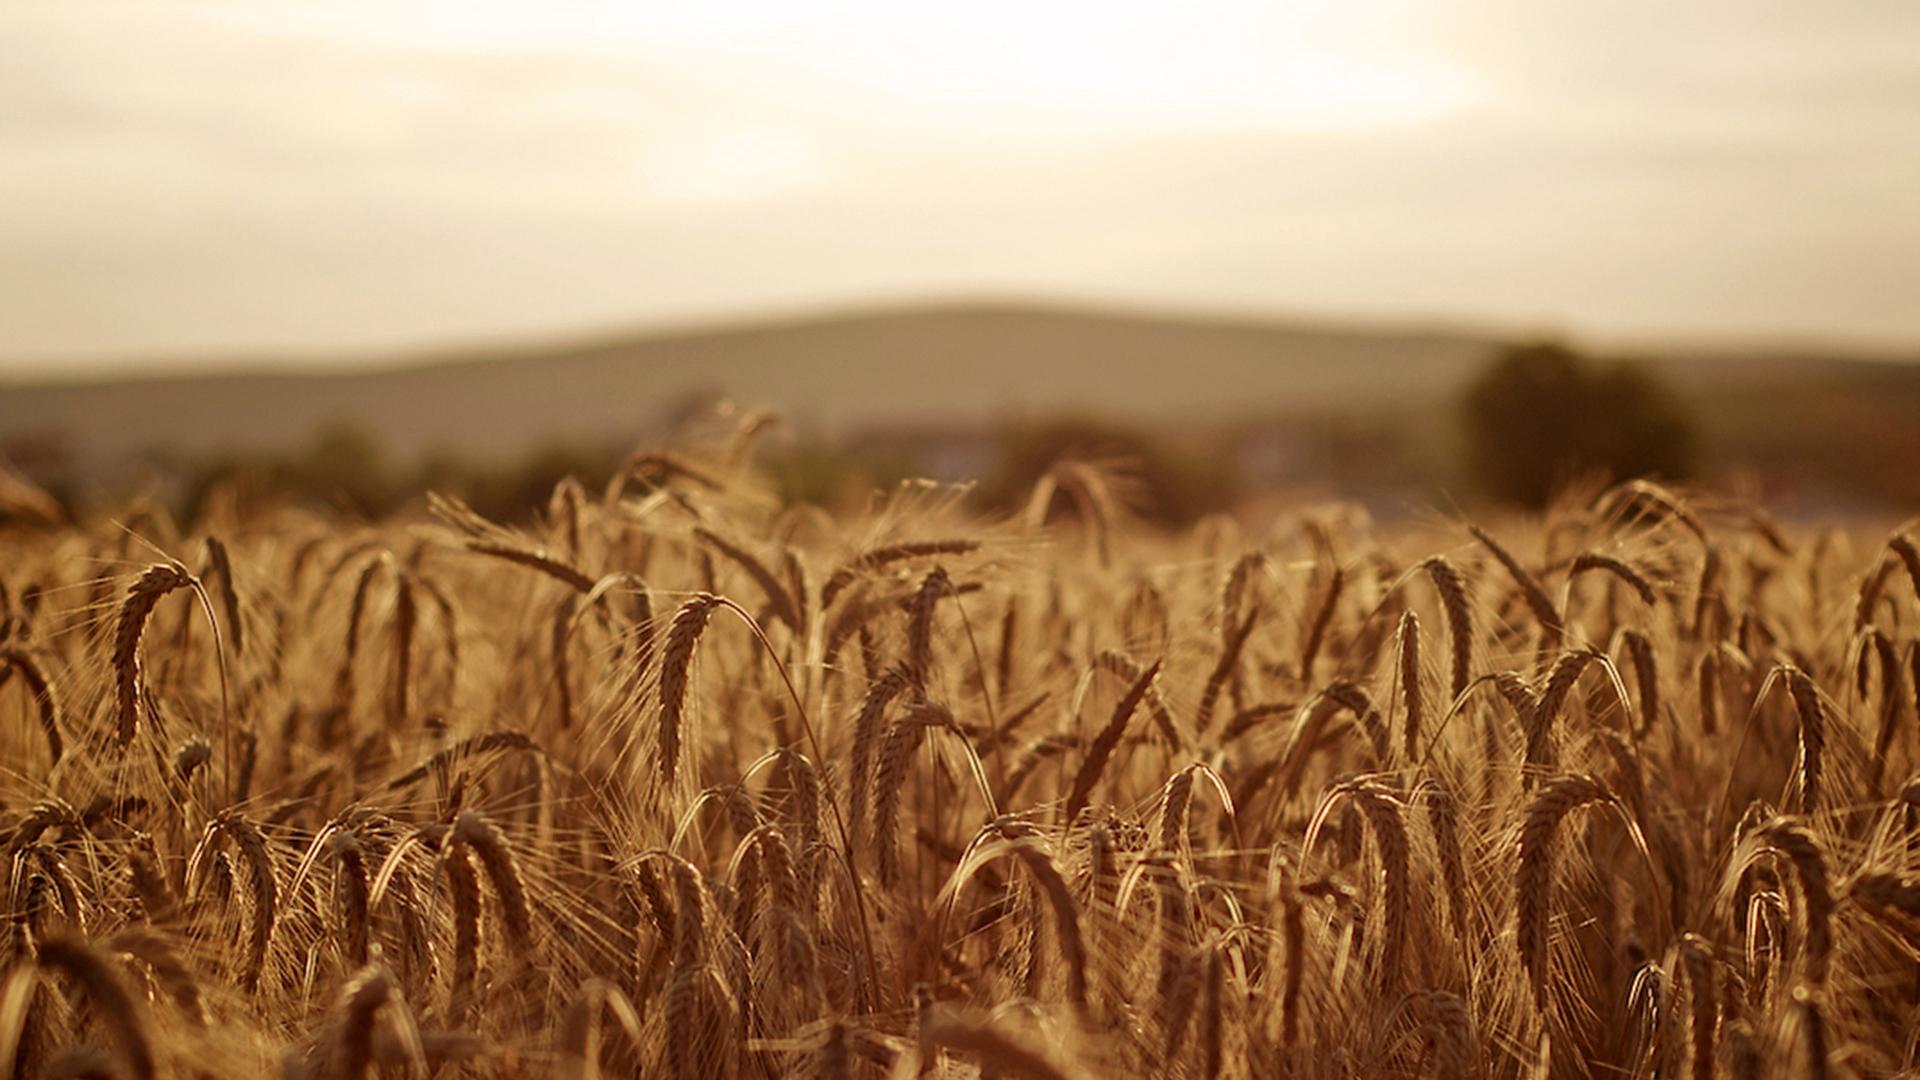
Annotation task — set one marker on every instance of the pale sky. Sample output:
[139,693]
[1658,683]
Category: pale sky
[185,178]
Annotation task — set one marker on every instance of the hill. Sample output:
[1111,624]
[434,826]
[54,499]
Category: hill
[932,365]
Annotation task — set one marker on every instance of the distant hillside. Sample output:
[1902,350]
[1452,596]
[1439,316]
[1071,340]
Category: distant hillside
[1797,414]
[941,365]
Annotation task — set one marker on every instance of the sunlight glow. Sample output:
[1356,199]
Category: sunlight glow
[226,174]
[1002,65]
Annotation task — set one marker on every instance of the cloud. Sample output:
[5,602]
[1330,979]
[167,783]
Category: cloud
[264,175]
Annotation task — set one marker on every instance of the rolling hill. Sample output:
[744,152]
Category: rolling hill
[933,366]
[941,365]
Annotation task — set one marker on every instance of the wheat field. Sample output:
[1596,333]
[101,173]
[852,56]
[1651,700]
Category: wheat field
[681,782]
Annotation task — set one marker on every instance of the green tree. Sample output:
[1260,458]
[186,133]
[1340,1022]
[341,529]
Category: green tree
[1540,415]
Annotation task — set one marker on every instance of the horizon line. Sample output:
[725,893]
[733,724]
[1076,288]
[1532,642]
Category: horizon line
[274,361]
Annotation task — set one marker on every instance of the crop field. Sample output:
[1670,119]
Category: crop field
[678,781]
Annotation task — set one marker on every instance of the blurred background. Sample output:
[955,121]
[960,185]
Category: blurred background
[1413,252]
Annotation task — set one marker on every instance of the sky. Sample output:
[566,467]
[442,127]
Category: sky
[185,180]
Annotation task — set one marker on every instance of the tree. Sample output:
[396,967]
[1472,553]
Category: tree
[1540,415]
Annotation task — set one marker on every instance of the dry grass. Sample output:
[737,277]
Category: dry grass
[636,792]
